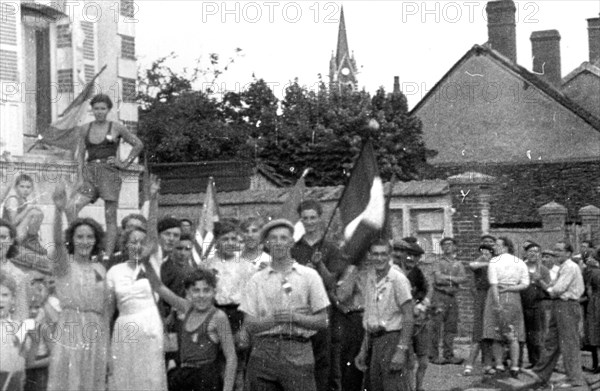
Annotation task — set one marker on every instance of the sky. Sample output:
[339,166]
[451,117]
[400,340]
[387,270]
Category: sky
[418,41]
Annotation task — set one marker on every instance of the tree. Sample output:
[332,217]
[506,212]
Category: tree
[325,131]
[318,128]
[180,124]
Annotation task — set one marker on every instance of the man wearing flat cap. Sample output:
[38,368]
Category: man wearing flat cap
[531,300]
[448,276]
[284,305]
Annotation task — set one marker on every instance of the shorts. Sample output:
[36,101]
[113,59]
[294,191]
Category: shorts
[100,180]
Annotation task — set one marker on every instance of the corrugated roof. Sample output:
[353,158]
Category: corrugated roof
[424,188]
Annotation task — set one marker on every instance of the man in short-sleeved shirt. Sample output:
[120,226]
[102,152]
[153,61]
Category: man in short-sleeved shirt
[388,322]
[284,305]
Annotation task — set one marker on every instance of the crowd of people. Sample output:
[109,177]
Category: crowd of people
[134,310]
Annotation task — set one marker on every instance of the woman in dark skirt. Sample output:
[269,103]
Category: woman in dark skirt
[503,315]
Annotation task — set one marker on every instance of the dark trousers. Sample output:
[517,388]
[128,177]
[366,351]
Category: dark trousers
[335,372]
[379,376]
[444,324]
[562,338]
[280,365]
[352,336]
[36,379]
[204,378]
[534,330]
[321,344]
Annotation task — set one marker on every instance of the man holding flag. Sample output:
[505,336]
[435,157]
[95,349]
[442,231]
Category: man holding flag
[314,251]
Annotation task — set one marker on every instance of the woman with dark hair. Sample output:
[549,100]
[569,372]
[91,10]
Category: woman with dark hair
[8,250]
[99,173]
[135,301]
[78,361]
[503,313]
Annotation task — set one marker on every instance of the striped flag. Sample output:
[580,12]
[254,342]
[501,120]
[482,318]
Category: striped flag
[204,237]
[289,209]
[362,207]
[62,133]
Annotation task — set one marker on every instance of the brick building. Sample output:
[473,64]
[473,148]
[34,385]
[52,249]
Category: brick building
[537,133]
[511,140]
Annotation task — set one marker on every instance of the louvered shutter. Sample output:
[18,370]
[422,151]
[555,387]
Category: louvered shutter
[11,119]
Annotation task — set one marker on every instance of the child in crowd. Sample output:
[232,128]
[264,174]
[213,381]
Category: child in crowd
[24,215]
[12,364]
[37,340]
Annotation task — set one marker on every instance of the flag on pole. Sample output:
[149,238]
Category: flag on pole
[62,133]
[388,232]
[289,209]
[204,237]
[362,207]
[145,201]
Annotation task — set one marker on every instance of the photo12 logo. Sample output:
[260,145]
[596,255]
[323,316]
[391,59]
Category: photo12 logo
[269,11]
[466,11]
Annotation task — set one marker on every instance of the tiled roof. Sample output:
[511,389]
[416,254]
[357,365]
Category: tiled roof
[584,67]
[551,91]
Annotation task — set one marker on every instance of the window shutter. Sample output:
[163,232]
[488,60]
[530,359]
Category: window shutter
[9,64]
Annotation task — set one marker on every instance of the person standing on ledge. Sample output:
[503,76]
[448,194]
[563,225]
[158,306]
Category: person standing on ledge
[98,174]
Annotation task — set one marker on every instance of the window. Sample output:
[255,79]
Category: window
[127,47]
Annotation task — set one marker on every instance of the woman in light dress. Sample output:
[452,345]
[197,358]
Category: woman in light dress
[137,356]
[79,358]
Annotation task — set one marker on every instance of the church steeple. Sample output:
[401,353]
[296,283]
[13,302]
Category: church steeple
[342,68]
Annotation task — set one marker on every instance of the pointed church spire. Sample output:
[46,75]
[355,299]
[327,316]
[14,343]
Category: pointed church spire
[342,44]
[342,67]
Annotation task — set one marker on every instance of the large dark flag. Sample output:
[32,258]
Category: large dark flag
[62,133]
[362,207]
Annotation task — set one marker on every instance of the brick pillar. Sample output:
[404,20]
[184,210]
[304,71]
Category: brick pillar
[590,216]
[471,193]
[554,216]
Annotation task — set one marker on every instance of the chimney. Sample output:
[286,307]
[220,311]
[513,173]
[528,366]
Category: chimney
[545,48]
[594,40]
[502,28]
[396,84]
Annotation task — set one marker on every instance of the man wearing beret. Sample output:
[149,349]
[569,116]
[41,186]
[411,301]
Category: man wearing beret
[531,300]
[448,276]
[284,305]
[406,254]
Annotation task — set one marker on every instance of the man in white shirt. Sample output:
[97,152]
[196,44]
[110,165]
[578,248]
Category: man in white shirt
[563,335]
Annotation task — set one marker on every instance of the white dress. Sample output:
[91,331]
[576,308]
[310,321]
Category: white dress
[137,343]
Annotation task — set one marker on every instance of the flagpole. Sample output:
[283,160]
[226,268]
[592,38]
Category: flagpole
[373,125]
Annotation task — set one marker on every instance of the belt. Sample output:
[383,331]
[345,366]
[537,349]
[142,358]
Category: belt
[195,366]
[357,311]
[381,333]
[444,292]
[566,301]
[104,160]
[286,337]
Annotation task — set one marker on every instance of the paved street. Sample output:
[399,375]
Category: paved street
[450,378]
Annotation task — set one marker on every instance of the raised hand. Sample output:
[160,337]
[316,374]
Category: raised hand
[154,185]
[60,197]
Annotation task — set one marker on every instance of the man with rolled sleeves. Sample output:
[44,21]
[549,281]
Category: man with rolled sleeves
[385,353]
[448,276]
[284,305]
[563,334]
[406,254]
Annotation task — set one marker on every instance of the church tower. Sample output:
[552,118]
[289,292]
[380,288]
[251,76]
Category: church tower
[342,67]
